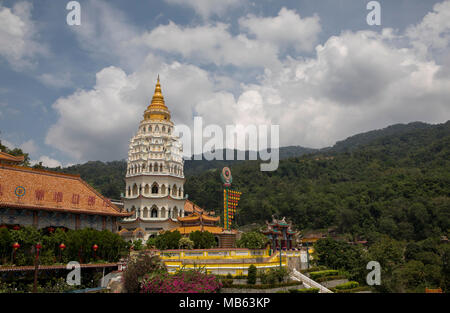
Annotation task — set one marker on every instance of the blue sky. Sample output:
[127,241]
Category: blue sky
[69,94]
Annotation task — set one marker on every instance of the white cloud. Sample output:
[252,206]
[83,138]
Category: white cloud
[18,42]
[355,82]
[29,147]
[56,80]
[206,8]
[287,29]
[207,44]
[47,161]
[433,32]
[108,35]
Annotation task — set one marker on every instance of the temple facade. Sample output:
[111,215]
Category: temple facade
[46,199]
[155,178]
[280,234]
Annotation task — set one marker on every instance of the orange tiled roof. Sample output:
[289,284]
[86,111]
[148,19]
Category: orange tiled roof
[196,216]
[189,229]
[11,158]
[191,207]
[51,191]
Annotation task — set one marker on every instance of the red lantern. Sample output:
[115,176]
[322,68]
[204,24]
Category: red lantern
[38,246]
[62,246]
[94,247]
[51,229]
[16,227]
[16,245]
[3,226]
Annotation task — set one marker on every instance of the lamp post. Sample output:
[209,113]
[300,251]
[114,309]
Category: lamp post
[95,248]
[36,266]
[62,246]
[15,246]
[279,247]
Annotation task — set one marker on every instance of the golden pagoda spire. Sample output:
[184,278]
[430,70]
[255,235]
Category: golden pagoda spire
[157,108]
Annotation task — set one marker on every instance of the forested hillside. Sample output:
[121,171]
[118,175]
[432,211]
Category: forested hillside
[398,185]
[394,181]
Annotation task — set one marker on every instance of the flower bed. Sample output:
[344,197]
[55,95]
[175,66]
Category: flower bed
[181,282]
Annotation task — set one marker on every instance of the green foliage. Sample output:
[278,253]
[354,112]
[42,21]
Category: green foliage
[203,240]
[340,255]
[138,245]
[252,240]
[316,275]
[185,243]
[168,240]
[138,267]
[393,182]
[251,277]
[78,246]
[348,285]
[305,290]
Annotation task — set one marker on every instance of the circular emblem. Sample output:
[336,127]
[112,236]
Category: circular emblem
[226,175]
[19,191]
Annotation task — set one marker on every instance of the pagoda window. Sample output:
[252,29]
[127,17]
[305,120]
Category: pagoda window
[163,213]
[154,213]
[160,168]
[156,167]
[179,192]
[129,191]
[163,129]
[135,190]
[170,213]
[145,213]
[163,189]
[175,212]
[143,166]
[150,128]
[155,188]
[150,168]
[147,189]
[174,190]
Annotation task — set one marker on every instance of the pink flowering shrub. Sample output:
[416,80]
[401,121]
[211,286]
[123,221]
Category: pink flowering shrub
[181,282]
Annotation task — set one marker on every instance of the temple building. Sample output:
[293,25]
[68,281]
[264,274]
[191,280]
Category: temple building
[280,234]
[154,178]
[45,199]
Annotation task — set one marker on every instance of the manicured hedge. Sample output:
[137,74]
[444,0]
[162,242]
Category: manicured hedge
[265,286]
[348,285]
[304,290]
[315,275]
[328,278]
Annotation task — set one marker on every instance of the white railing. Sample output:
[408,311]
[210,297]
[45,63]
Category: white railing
[308,282]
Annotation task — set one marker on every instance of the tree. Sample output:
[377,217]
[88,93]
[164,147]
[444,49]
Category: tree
[251,275]
[168,240]
[203,240]
[253,240]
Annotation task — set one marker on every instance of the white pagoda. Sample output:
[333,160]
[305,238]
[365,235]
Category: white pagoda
[154,178]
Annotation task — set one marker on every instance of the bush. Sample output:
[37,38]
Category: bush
[190,281]
[185,243]
[304,290]
[252,240]
[251,277]
[348,285]
[168,240]
[78,245]
[315,275]
[138,245]
[136,269]
[227,283]
[203,240]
